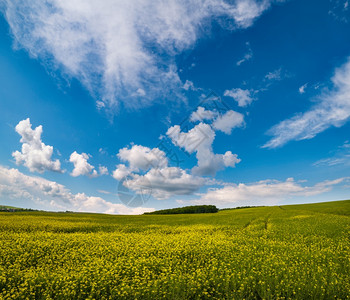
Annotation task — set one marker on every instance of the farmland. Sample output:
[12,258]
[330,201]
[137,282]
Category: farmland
[287,252]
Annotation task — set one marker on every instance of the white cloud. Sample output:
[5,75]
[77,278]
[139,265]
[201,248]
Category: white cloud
[340,156]
[144,158]
[226,122]
[102,151]
[263,192]
[302,88]
[121,172]
[274,75]
[339,10]
[333,161]
[199,140]
[103,170]
[245,97]
[35,155]
[247,56]
[209,163]
[104,192]
[242,97]
[148,169]
[333,109]
[81,166]
[188,85]
[121,50]
[230,159]
[14,184]
[202,114]
[200,136]
[166,182]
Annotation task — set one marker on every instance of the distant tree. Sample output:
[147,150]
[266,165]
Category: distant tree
[195,209]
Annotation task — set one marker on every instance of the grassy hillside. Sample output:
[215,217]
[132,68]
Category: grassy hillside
[333,207]
[287,252]
[4,207]
[12,208]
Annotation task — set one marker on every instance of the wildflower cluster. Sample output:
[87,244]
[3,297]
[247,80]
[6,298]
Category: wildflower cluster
[253,253]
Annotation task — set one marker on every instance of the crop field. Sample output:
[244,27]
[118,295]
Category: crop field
[287,252]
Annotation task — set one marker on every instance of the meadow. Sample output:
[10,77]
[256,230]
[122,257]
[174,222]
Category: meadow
[281,252]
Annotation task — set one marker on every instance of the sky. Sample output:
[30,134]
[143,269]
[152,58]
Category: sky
[125,107]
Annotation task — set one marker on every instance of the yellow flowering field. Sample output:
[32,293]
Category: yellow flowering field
[287,252]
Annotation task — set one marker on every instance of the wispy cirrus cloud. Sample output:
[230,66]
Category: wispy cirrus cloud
[340,10]
[121,49]
[247,56]
[276,75]
[340,156]
[332,109]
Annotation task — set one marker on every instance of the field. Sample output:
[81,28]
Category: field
[287,252]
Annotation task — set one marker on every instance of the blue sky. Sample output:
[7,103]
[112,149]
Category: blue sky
[228,103]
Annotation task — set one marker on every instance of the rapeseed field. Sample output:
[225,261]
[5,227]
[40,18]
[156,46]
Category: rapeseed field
[287,252]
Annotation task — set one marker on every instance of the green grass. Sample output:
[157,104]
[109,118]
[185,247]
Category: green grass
[13,208]
[287,252]
[334,207]
[8,207]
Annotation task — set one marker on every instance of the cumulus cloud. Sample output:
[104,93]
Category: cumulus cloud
[121,50]
[81,166]
[242,97]
[199,140]
[103,170]
[226,122]
[143,158]
[202,114]
[166,182]
[209,163]
[35,155]
[121,172]
[200,136]
[148,169]
[14,184]
[263,192]
[332,109]
[245,97]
